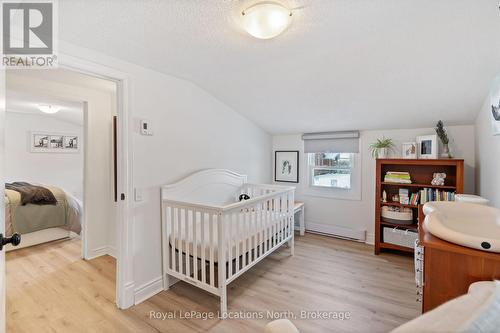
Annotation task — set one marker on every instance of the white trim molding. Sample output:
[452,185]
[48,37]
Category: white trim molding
[101,251]
[124,250]
[336,231]
[148,290]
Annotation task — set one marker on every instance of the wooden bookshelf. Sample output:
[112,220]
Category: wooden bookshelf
[421,172]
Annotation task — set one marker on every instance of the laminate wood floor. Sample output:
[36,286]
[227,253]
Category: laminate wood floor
[50,289]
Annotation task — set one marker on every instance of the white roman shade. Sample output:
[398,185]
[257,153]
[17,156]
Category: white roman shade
[331,142]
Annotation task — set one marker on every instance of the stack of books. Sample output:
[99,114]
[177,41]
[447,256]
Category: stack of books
[428,194]
[397,177]
[403,196]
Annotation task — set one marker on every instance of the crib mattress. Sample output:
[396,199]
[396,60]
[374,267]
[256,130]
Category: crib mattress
[256,237]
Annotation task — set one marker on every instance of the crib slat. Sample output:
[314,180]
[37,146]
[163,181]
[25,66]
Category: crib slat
[188,240]
[266,224]
[281,217]
[203,222]
[179,241]
[237,237]
[195,245]
[211,237]
[243,217]
[253,233]
[229,245]
[273,225]
[173,237]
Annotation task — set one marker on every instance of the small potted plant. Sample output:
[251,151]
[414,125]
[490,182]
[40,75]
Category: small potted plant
[381,148]
[443,136]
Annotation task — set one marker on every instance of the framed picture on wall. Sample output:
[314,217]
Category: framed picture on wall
[40,142]
[495,106]
[71,142]
[427,146]
[286,166]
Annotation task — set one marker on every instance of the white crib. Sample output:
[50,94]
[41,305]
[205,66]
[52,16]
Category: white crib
[204,225]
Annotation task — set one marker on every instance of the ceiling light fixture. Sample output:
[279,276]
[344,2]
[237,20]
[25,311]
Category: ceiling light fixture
[48,108]
[266,20]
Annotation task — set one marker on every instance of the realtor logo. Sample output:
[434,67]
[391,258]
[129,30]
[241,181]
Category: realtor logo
[28,34]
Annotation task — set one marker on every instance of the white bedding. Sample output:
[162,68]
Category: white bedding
[452,316]
[75,214]
[256,236]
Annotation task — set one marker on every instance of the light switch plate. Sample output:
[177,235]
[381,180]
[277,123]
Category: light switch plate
[137,194]
[146,127]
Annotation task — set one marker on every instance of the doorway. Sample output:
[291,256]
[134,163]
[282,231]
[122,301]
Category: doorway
[95,146]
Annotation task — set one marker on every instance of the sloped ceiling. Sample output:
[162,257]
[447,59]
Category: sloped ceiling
[343,64]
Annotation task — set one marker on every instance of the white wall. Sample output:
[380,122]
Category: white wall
[63,170]
[192,131]
[344,216]
[488,153]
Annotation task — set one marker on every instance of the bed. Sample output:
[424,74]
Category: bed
[210,237]
[42,223]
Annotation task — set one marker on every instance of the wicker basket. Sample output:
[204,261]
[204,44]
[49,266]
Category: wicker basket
[400,237]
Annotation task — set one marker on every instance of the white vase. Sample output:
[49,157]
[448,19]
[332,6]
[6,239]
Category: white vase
[383,153]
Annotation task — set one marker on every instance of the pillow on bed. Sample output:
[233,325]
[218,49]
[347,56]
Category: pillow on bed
[487,318]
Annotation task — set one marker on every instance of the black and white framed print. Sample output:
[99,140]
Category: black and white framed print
[71,142]
[286,166]
[56,142]
[42,142]
[427,146]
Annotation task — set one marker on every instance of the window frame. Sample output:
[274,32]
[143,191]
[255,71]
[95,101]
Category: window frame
[352,193]
[310,173]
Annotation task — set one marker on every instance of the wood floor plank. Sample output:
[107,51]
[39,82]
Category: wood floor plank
[50,289]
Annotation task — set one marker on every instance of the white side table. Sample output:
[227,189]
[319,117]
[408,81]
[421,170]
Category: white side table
[299,208]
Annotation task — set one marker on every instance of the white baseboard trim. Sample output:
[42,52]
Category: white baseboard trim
[127,296]
[112,251]
[336,231]
[370,238]
[148,290]
[101,251]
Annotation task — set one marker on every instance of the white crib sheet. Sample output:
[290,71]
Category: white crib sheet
[254,239]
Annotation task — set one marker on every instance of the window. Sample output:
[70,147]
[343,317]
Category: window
[331,170]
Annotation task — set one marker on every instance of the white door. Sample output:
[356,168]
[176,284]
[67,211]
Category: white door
[2,201]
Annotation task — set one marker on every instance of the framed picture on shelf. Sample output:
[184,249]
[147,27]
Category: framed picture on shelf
[409,150]
[427,146]
[286,166]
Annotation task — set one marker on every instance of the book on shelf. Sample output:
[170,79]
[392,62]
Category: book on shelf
[429,194]
[397,177]
[414,199]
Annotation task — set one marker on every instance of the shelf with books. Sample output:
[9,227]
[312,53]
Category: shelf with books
[414,194]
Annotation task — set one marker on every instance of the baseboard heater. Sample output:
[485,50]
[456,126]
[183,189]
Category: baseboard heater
[337,231]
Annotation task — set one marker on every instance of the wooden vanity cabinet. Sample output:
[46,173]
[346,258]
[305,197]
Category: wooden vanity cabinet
[449,269]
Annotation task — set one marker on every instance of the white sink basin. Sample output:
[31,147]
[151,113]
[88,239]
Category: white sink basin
[467,224]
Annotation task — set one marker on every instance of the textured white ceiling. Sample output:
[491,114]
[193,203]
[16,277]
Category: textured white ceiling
[343,64]
[21,102]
